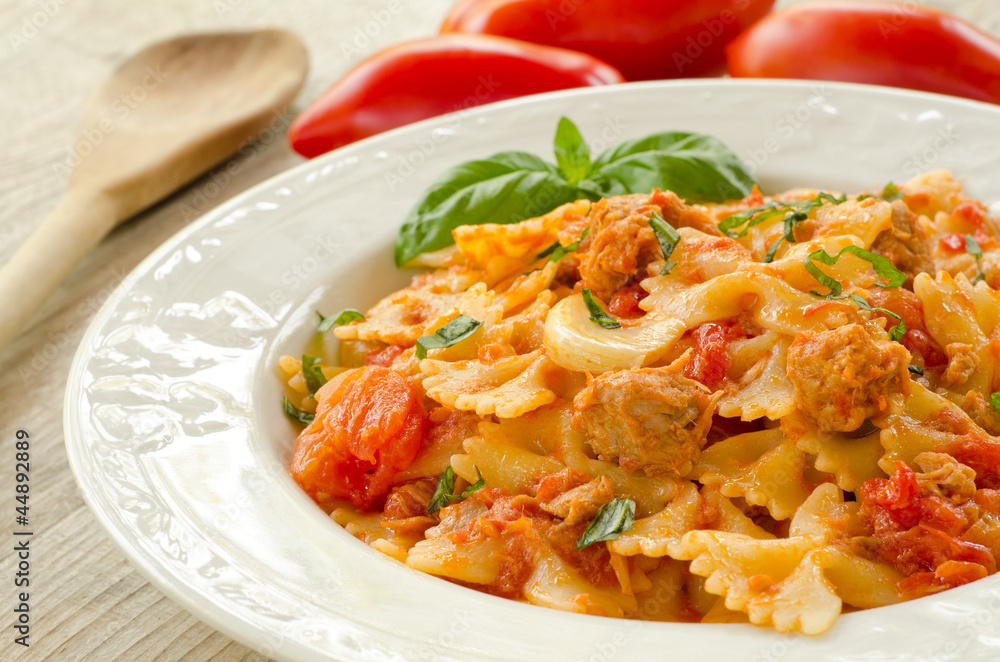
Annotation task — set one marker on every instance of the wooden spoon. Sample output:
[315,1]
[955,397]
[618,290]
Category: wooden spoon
[167,115]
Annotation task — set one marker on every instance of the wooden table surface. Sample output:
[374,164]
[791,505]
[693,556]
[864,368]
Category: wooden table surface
[86,600]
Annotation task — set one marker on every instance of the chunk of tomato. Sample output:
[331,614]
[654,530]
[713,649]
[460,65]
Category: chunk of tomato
[711,361]
[369,426]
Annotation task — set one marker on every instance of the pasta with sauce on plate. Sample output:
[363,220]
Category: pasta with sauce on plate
[759,411]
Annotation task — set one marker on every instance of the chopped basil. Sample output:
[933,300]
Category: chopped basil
[972,248]
[296,414]
[791,212]
[478,485]
[668,238]
[446,485]
[443,492]
[597,314]
[915,369]
[557,251]
[313,374]
[346,316]
[739,224]
[511,186]
[891,193]
[612,520]
[995,400]
[450,334]
[882,266]
[896,332]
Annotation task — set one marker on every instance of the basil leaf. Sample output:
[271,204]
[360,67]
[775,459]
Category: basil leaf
[917,370]
[505,188]
[896,332]
[826,281]
[443,492]
[512,186]
[597,314]
[612,520]
[478,485]
[572,152]
[695,166]
[313,374]
[346,316]
[995,400]
[296,414]
[557,251]
[972,248]
[891,193]
[450,334]
[882,266]
[668,238]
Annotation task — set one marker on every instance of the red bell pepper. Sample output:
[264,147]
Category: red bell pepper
[644,39]
[429,77]
[879,43]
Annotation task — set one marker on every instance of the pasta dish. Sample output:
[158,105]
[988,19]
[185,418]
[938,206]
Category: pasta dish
[770,410]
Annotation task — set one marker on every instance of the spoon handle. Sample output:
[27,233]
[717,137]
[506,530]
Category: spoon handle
[48,257]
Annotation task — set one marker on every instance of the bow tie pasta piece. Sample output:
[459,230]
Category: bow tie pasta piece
[514,454]
[557,585]
[661,590]
[444,554]
[932,423]
[765,468]
[760,385]
[426,305]
[520,333]
[525,288]
[794,583]
[701,257]
[963,319]
[932,192]
[509,387]
[772,581]
[658,534]
[849,458]
[864,219]
[504,250]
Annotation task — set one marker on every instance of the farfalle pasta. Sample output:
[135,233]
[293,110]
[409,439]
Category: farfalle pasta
[758,411]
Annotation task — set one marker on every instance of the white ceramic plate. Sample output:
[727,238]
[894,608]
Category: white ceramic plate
[176,436]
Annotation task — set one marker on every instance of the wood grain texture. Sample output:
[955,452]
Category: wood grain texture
[87,601]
